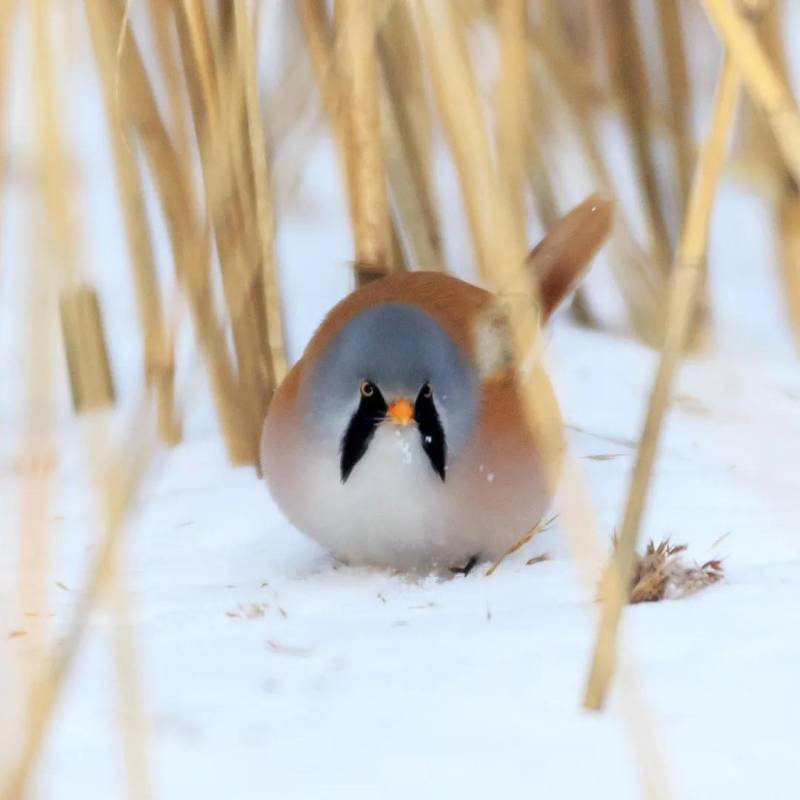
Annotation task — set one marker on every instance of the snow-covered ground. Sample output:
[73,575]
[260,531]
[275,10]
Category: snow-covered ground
[270,671]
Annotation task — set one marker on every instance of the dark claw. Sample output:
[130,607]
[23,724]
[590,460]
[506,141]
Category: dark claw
[467,568]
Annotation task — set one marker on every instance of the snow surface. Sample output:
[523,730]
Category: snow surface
[270,671]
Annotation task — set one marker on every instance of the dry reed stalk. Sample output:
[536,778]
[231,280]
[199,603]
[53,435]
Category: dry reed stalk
[217,101]
[131,701]
[761,78]
[162,24]
[678,89]
[629,78]
[357,57]
[158,352]
[245,221]
[38,460]
[679,110]
[499,247]
[82,349]
[542,526]
[640,285]
[789,224]
[407,136]
[571,34]
[513,107]
[188,239]
[684,281]
[497,240]
[119,488]
[321,47]
[8,13]
[579,522]
[536,166]
[759,141]
[61,245]
[265,213]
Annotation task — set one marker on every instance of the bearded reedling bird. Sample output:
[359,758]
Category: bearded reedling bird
[390,442]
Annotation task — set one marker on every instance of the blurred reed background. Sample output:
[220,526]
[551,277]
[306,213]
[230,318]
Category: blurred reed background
[195,120]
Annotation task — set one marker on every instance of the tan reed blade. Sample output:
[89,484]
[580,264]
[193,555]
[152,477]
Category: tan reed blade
[684,281]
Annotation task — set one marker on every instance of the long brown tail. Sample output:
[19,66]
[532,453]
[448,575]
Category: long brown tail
[561,258]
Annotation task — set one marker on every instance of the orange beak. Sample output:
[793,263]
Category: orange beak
[401,412]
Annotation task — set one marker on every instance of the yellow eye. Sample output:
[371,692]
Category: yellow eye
[367,389]
[427,392]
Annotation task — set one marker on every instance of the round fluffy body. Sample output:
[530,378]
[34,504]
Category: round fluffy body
[402,333]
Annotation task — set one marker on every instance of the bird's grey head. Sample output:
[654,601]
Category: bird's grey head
[393,353]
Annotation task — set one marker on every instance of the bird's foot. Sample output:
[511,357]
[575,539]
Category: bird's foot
[467,568]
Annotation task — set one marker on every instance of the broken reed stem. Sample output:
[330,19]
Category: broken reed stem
[188,239]
[629,78]
[407,136]
[158,353]
[265,213]
[761,78]
[356,53]
[684,281]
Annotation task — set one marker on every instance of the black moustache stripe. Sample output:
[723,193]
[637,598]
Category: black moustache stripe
[430,429]
[370,412]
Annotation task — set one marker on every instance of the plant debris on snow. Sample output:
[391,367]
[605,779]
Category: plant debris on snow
[662,573]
